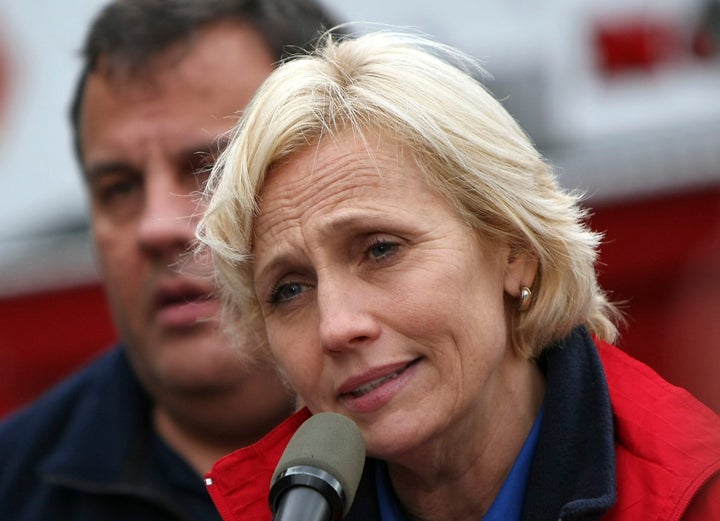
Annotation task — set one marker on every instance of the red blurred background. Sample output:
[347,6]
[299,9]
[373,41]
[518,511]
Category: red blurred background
[623,96]
[661,257]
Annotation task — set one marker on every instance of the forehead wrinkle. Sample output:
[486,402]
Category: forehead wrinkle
[329,209]
[318,181]
[315,190]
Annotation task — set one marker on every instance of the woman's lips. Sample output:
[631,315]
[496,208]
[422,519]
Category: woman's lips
[374,384]
[373,389]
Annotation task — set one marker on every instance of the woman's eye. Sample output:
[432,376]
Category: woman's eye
[286,292]
[381,249]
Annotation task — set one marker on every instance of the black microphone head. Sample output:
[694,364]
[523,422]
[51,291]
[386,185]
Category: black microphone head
[330,443]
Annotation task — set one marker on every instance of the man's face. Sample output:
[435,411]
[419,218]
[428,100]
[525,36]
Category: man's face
[143,141]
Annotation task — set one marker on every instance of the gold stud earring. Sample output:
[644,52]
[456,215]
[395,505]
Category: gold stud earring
[525,299]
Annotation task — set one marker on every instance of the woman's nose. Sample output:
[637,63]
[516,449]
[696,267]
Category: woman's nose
[346,314]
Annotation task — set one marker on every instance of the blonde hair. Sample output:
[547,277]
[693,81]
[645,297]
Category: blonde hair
[424,95]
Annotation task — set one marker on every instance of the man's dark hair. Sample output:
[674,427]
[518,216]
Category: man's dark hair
[129,34]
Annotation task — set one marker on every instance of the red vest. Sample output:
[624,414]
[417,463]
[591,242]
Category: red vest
[663,473]
[239,483]
[667,446]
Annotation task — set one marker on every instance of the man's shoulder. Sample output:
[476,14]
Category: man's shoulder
[42,418]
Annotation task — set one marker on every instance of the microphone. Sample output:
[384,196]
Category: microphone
[319,472]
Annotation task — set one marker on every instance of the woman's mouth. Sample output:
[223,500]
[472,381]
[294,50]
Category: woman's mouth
[372,390]
[370,386]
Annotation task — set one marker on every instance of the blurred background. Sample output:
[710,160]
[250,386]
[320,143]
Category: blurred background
[623,96]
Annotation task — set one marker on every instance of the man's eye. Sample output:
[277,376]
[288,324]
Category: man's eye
[199,161]
[286,292]
[381,249]
[110,192]
[199,167]
[119,188]
[117,196]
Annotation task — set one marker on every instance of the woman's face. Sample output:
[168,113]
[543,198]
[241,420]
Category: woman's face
[379,302]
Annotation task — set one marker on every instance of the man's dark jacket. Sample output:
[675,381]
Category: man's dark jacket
[87,451]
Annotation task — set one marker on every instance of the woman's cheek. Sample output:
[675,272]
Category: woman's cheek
[293,360]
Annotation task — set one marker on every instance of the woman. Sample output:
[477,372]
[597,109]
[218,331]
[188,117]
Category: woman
[415,266]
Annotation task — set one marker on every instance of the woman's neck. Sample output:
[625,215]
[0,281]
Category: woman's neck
[459,477]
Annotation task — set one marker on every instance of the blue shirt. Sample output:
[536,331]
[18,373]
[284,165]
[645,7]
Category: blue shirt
[508,503]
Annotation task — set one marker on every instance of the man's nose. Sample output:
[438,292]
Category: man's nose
[167,225]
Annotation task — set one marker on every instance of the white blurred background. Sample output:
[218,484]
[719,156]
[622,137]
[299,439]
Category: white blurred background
[622,95]
[648,120]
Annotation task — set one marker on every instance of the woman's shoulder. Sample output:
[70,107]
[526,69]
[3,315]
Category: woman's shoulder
[646,402]
[666,440]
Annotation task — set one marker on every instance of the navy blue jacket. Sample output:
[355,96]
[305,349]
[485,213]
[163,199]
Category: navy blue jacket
[576,441]
[87,451]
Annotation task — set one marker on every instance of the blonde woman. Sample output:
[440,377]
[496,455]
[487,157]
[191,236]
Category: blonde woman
[412,263]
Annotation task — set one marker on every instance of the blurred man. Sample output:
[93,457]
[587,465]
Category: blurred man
[130,436]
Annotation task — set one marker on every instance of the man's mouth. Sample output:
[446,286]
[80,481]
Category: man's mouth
[174,299]
[185,304]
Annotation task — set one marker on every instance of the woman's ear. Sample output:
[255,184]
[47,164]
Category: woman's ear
[520,271]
